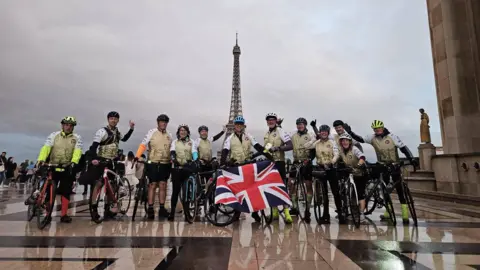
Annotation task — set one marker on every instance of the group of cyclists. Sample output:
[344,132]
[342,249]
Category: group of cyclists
[166,151]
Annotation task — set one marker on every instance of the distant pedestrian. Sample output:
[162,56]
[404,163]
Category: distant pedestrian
[11,168]
[3,167]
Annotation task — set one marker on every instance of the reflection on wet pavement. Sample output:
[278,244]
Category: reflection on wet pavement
[447,237]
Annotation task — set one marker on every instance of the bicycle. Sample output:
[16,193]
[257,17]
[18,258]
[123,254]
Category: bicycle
[212,209]
[348,194]
[117,189]
[300,189]
[377,189]
[42,201]
[141,193]
[372,186]
[189,194]
[318,193]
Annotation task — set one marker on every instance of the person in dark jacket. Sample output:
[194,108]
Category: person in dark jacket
[11,167]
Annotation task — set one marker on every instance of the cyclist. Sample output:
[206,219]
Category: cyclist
[158,141]
[327,154]
[61,148]
[386,144]
[204,147]
[338,126]
[106,140]
[301,154]
[237,148]
[354,158]
[182,151]
[281,142]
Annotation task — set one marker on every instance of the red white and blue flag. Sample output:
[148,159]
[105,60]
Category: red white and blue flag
[252,187]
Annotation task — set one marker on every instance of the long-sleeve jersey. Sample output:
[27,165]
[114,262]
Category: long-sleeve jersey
[62,148]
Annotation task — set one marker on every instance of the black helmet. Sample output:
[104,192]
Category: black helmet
[324,128]
[337,123]
[202,128]
[163,117]
[113,114]
[301,120]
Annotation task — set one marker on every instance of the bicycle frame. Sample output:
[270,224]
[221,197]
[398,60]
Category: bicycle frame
[107,185]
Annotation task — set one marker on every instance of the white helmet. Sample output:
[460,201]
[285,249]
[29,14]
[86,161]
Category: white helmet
[345,136]
[271,115]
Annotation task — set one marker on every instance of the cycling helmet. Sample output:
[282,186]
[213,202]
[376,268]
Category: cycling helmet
[337,123]
[183,125]
[377,124]
[271,115]
[163,117]
[239,120]
[202,128]
[69,120]
[113,114]
[324,128]
[301,120]
[345,136]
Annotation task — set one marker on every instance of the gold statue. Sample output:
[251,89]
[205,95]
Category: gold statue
[424,127]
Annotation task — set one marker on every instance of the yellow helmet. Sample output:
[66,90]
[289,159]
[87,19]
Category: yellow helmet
[377,124]
[69,120]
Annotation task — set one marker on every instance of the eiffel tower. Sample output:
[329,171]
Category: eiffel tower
[236,101]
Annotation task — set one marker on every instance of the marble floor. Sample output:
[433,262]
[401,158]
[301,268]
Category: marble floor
[447,237]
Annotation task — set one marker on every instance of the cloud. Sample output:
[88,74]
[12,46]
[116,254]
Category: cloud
[327,60]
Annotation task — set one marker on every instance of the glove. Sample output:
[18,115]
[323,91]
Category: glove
[273,149]
[71,168]
[198,163]
[413,162]
[313,123]
[347,128]
[279,122]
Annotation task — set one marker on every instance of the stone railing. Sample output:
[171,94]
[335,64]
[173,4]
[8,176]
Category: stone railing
[457,173]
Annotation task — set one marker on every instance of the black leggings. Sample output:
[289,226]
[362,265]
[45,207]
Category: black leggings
[360,184]
[178,177]
[396,177]
[282,170]
[332,179]
[64,181]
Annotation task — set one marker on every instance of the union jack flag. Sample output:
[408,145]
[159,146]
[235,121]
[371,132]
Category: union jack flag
[252,187]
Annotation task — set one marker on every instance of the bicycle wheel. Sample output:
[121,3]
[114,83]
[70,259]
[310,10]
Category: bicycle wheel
[212,213]
[123,195]
[139,198]
[371,203]
[267,215]
[318,200]
[190,203]
[96,204]
[46,207]
[410,203]
[301,198]
[353,203]
[32,207]
[387,200]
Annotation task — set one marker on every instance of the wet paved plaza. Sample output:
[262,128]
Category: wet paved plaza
[447,237]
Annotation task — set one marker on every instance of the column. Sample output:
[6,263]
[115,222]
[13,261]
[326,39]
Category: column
[455,37]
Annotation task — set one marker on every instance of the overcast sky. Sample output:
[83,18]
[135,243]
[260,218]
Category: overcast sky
[351,60]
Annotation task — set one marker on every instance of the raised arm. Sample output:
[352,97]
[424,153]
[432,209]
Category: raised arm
[219,135]
[127,136]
